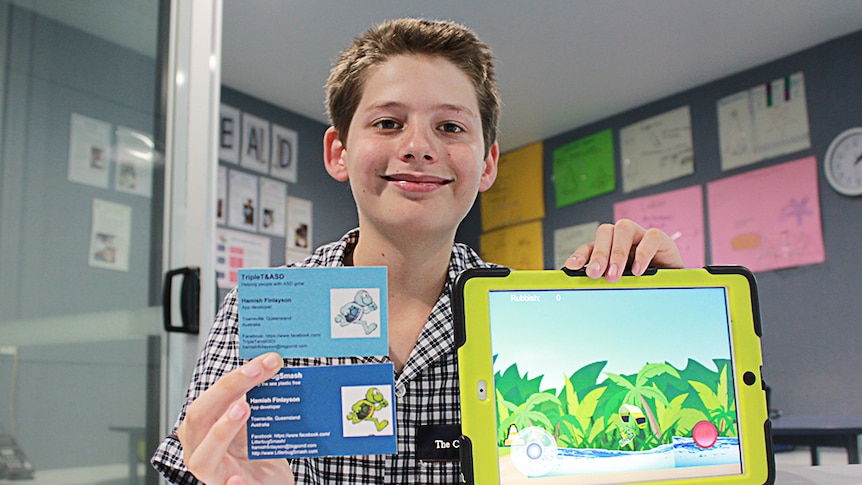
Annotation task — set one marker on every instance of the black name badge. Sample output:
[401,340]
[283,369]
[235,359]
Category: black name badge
[438,442]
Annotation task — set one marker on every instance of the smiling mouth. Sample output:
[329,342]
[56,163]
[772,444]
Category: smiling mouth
[416,179]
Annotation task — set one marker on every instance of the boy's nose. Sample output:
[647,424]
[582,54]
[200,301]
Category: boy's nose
[417,145]
[425,156]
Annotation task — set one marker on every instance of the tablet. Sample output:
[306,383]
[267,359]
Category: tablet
[653,379]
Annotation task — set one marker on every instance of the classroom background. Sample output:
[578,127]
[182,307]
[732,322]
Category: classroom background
[768,207]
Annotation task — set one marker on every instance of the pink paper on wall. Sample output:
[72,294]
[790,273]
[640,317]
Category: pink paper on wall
[767,219]
[679,213]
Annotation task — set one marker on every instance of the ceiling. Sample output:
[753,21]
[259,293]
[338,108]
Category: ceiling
[561,63]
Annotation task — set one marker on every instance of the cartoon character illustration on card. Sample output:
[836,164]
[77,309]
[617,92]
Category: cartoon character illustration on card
[364,409]
[352,312]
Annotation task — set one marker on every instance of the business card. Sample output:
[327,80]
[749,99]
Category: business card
[313,312]
[340,410]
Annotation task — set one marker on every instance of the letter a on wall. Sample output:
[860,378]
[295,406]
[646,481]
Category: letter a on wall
[255,143]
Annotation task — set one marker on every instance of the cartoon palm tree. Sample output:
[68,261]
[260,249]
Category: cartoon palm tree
[580,413]
[720,404]
[643,389]
[526,415]
[676,419]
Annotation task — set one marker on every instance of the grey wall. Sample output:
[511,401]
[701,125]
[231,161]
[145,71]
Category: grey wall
[67,396]
[52,72]
[812,315]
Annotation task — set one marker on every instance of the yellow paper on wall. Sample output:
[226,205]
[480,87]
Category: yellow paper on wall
[517,195]
[518,247]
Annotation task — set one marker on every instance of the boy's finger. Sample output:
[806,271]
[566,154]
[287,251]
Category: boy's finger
[579,258]
[645,252]
[206,461]
[657,249]
[601,251]
[626,235]
[214,402]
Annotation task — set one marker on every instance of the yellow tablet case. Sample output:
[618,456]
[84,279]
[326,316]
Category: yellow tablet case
[653,379]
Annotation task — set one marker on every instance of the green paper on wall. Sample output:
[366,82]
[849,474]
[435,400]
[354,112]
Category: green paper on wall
[584,168]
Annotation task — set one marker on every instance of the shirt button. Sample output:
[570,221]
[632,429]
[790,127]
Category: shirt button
[401,390]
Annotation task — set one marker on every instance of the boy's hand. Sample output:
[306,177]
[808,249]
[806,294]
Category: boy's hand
[213,433]
[625,245]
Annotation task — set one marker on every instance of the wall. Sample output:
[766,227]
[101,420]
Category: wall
[811,314]
[67,396]
[334,212]
[54,71]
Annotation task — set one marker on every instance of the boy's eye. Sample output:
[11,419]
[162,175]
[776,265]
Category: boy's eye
[387,124]
[451,128]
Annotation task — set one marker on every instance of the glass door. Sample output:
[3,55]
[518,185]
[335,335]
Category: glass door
[96,205]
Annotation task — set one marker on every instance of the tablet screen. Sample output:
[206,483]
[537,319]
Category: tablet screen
[614,385]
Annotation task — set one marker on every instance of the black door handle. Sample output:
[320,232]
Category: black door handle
[189,300]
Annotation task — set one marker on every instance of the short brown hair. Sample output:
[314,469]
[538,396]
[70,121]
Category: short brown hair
[449,40]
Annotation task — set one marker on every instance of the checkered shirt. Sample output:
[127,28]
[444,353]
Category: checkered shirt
[426,390]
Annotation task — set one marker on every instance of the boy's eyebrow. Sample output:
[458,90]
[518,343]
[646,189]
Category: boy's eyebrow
[439,107]
[457,107]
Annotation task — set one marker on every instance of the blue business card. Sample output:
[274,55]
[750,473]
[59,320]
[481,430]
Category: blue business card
[313,312]
[340,410]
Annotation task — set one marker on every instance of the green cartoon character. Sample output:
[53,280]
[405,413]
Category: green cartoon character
[364,409]
[353,311]
[632,420]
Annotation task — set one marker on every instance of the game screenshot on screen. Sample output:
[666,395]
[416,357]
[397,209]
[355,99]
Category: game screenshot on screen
[585,385]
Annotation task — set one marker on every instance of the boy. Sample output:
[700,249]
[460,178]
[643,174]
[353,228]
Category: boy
[414,108]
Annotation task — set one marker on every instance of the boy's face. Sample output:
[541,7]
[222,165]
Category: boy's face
[414,154]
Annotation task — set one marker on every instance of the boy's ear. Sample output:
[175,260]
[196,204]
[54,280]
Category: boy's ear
[333,155]
[489,171]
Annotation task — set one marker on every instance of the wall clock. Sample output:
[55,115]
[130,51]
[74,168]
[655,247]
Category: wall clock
[843,162]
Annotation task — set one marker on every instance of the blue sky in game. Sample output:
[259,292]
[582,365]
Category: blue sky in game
[556,332]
